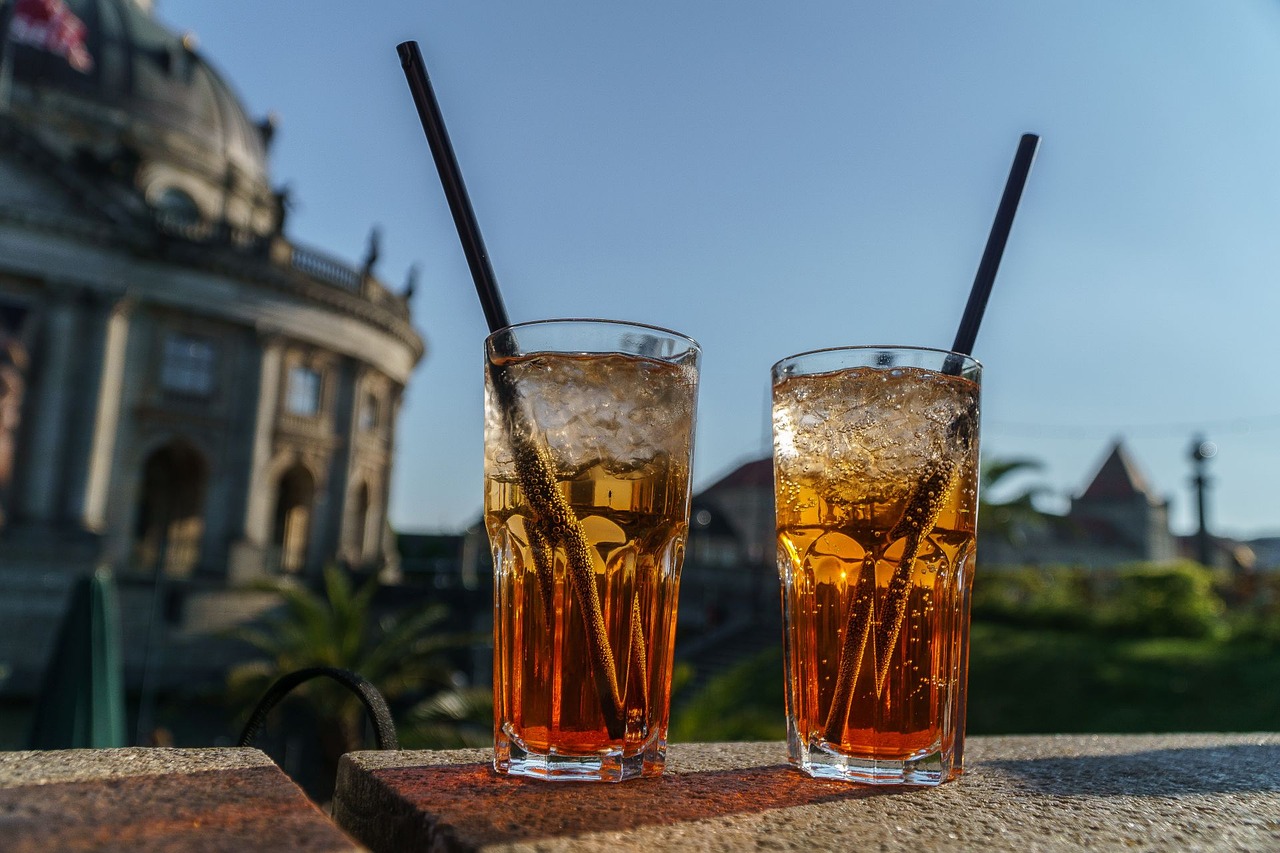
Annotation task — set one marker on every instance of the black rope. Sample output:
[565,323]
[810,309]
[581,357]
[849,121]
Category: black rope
[384,729]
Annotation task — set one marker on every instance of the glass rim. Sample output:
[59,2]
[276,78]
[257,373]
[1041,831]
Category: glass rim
[876,348]
[628,324]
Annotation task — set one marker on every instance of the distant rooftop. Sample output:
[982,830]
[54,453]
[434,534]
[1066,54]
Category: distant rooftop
[1118,478]
[756,474]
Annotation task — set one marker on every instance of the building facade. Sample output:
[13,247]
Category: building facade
[185,392]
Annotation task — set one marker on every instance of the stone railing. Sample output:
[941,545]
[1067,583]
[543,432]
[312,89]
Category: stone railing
[312,263]
[1024,793]
[325,268]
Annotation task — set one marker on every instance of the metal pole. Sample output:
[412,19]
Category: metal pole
[1201,452]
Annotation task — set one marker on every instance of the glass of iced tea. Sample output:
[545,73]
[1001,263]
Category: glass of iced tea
[588,444]
[876,476]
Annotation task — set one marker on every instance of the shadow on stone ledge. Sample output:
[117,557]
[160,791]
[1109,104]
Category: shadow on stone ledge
[468,801]
[1235,768]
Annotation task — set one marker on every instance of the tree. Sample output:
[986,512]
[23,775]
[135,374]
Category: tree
[450,719]
[1008,520]
[403,656]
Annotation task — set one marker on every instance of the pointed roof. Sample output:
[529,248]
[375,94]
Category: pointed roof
[755,474]
[1117,478]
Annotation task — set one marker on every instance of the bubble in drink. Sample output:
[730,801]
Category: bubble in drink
[616,433]
[876,475]
[616,411]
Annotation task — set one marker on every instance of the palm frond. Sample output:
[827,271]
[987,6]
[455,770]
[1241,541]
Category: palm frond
[449,719]
[999,469]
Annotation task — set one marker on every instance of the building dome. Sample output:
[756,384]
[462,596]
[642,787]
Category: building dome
[152,107]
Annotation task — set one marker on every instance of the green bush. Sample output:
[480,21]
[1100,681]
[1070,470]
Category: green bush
[1164,600]
[1025,680]
[1146,647]
[743,704]
[1140,600]
[1255,610]
[1053,597]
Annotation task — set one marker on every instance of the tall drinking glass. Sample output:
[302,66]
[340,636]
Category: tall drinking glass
[876,474]
[588,446]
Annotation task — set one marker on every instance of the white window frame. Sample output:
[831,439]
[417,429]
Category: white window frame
[305,393]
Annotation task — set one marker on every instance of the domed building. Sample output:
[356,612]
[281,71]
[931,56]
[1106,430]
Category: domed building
[186,394]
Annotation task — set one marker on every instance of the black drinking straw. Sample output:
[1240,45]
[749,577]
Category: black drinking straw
[986,276]
[495,313]
[921,512]
[534,471]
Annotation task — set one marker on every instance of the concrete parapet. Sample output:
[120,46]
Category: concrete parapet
[157,799]
[1023,793]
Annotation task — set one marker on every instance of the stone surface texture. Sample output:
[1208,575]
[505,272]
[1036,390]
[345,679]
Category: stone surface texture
[1025,793]
[156,800]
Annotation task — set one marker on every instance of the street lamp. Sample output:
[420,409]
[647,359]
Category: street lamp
[1201,451]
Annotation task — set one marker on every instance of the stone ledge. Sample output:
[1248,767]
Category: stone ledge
[157,799]
[1023,793]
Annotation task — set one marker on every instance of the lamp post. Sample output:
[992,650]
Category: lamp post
[1201,452]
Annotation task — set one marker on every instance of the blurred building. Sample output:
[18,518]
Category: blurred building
[730,575]
[187,395]
[454,570]
[1117,518]
[730,598]
[1266,551]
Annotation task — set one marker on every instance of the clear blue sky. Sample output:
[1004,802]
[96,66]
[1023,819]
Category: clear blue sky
[776,177]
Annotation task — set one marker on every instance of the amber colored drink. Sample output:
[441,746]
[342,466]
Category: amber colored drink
[876,474]
[584,623]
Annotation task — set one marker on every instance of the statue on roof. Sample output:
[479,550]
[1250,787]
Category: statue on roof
[371,254]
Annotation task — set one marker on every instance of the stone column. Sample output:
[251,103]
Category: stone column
[97,481]
[246,559]
[331,540]
[382,501]
[44,463]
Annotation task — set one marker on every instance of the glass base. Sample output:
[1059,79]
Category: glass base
[821,761]
[511,757]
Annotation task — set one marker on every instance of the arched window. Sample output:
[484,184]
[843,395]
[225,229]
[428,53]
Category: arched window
[296,495]
[177,206]
[170,517]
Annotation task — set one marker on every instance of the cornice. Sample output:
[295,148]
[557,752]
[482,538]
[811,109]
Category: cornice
[241,266]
